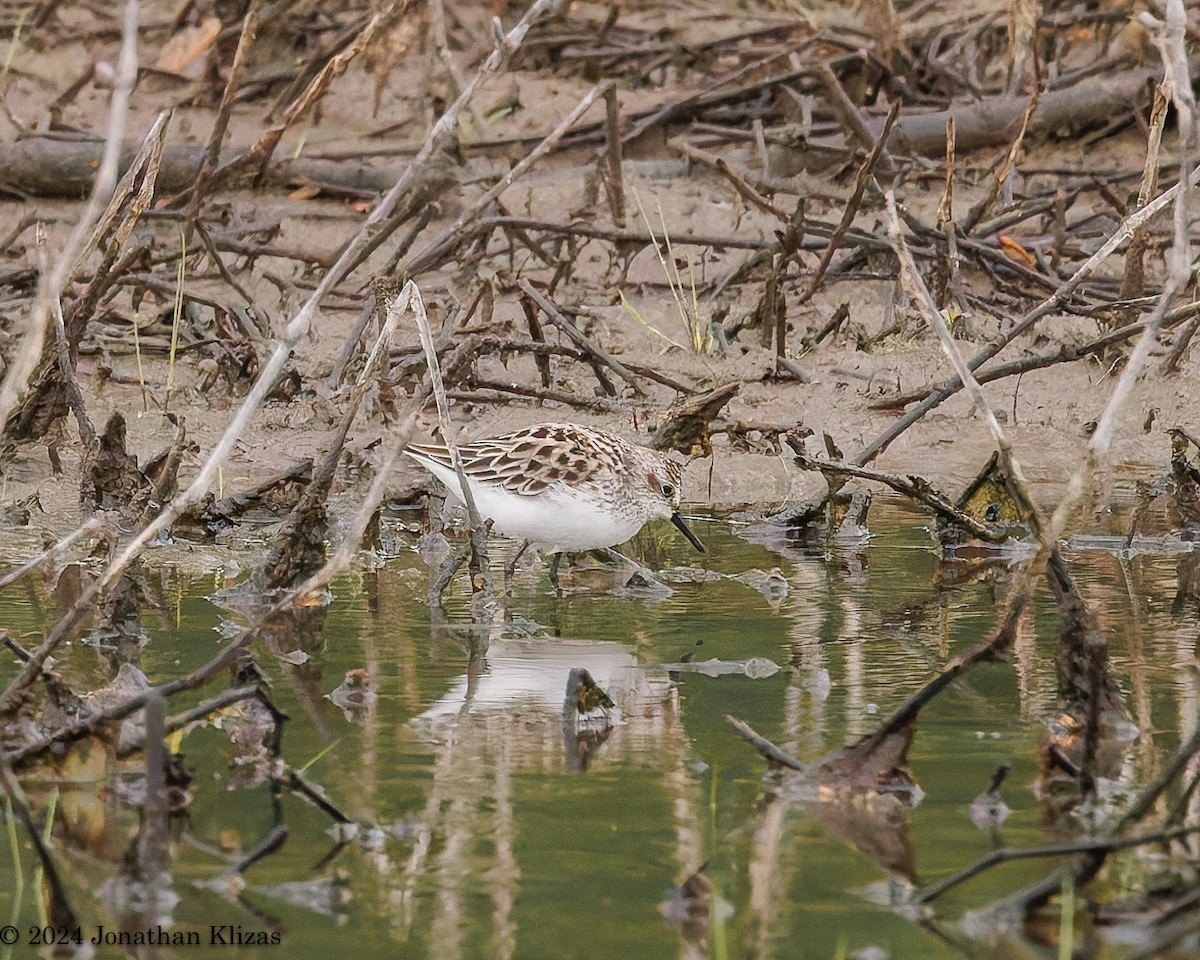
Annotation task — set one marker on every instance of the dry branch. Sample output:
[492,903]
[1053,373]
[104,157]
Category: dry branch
[47,167]
[914,487]
[555,316]
[437,249]
[995,121]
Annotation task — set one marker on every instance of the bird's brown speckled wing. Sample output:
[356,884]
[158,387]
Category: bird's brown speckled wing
[532,460]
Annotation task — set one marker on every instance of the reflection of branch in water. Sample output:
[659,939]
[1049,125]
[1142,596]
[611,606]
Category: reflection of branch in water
[771,753]
[1093,853]
[864,797]
[1102,845]
[60,910]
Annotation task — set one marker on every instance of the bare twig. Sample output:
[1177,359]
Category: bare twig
[573,333]
[1009,854]
[212,150]
[410,298]
[613,151]
[865,174]
[1005,169]
[1133,279]
[916,488]
[438,247]
[765,747]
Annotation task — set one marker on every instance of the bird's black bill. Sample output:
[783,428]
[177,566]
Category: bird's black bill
[687,531]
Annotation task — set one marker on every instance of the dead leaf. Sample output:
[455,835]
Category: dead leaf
[1015,251]
[188,46]
[307,192]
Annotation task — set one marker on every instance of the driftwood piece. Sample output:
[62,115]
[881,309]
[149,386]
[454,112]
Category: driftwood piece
[212,516]
[912,486]
[995,121]
[688,427]
[48,167]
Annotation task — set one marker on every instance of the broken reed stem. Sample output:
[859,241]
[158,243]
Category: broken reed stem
[252,164]
[865,174]
[273,840]
[441,42]
[1093,851]
[978,212]
[1133,279]
[946,208]
[87,432]
[452,565]
[381,348]
[212,150]
[542,360]
[613,151]
[176,318]
[946,270]
[1182,342]
[848,113]
[50,286]
[410,297]
[131,198]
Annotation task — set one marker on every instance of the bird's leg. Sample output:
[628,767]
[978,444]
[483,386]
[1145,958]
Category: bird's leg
[511,568]
[555,560]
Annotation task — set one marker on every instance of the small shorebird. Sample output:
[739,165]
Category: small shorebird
[562,486]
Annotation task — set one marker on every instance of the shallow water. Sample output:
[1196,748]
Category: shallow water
[498,837]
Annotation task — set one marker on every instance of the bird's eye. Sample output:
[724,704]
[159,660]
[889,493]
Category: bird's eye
[668,491]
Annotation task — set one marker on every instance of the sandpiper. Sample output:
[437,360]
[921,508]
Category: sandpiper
[563,487]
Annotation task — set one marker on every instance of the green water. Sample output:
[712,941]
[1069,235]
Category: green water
[492,846]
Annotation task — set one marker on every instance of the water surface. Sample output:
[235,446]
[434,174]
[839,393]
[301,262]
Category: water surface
[483,832]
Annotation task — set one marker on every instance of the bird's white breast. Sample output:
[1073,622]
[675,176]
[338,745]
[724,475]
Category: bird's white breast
[557,519]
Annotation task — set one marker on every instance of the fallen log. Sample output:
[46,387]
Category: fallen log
[49,167]
[994,121]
